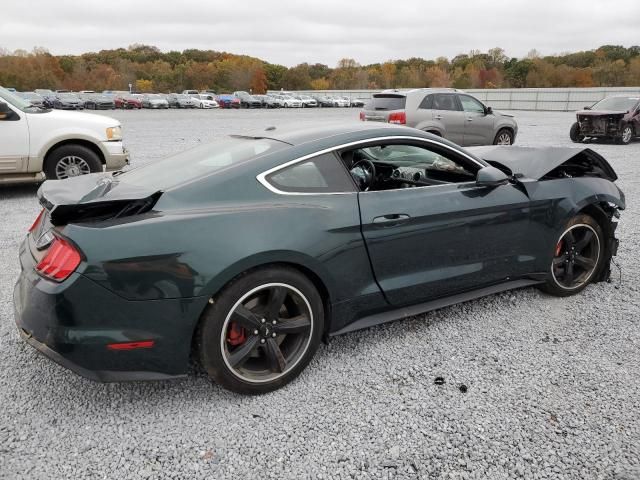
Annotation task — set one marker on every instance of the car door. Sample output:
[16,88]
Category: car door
[448,115]
[479,127]
[14,139]
[432,241]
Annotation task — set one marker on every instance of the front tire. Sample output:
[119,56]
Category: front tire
[503,137]
[626,135]
[261,331]
[578,257]
[574,133]
[71,161]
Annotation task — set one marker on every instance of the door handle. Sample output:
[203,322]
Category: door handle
[469,119]
[438,117]
[392,218]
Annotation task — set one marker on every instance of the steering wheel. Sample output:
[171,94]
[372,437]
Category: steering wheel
[364,174]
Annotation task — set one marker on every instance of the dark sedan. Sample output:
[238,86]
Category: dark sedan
[246,252]
[616,118]
[247,100]
[67,101]
[98,101]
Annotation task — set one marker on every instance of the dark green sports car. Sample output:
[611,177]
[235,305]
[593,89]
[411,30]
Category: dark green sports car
[245,253]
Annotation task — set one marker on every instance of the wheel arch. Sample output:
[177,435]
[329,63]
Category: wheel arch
[233,273]
[75,141]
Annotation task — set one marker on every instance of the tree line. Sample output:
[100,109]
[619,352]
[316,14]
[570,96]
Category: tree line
[147,68]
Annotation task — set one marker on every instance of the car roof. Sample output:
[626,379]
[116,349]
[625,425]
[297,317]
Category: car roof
[407,91]
[319,131]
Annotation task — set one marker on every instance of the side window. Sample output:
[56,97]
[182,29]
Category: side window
[470,104]
[406,165]
[427,103]
[445,101]
[321,174]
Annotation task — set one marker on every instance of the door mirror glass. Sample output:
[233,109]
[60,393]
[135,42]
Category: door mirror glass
[491,177]
[587,108]
[5,112]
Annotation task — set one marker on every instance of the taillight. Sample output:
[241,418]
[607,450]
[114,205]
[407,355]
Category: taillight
[362,117]
[36,222]
[398,117]
[60,261]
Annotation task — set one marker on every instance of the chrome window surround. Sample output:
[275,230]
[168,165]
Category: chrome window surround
[262,178]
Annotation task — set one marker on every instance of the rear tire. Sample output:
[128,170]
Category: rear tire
[574,133]
[261,331]
[577,257]
[70,161]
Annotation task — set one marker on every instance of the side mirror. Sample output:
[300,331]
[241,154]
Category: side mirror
[491,177]
[5,112]
[488,110]
[587,108]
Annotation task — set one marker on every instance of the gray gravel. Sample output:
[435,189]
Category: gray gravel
[552,384]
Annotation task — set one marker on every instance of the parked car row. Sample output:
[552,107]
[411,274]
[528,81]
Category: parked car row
[112,99]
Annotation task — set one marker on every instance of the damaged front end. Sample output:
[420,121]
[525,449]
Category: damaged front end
[579,175]
[594,124]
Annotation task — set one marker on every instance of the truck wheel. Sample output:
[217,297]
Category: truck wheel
[574,133]
[626,135]
[70,161]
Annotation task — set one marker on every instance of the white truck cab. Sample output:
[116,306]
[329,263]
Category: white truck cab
[36,143]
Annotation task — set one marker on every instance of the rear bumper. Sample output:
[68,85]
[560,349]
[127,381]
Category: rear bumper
[73,322]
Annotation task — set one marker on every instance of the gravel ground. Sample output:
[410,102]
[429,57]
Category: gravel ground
[534,386]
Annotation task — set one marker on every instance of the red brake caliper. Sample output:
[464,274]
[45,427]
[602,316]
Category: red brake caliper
[558,248]
[236,334]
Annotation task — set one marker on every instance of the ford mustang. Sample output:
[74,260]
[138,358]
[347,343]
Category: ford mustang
[244,254]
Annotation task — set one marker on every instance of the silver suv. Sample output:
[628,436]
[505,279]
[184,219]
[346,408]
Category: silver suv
[449,113]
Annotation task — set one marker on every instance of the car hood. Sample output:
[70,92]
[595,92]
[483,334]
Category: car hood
[596,113]
[502,114]
[535,163]
[80,119]
[94,196]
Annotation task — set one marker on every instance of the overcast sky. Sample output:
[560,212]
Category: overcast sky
[290,33]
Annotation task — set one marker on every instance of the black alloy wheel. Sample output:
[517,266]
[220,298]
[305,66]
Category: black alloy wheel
[577,257]
[261,331]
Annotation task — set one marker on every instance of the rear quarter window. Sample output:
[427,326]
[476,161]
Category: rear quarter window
[427,103]
[321,174]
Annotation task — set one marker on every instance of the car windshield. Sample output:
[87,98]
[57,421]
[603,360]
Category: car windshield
[621,104]
[154,97]
[199,161]
[68,96]
[383,101]
[182,97]
[18,102]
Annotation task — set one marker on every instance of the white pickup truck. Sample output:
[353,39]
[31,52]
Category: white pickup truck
[36,143]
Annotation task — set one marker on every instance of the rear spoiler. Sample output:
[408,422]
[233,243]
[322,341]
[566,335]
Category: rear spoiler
[94,197]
